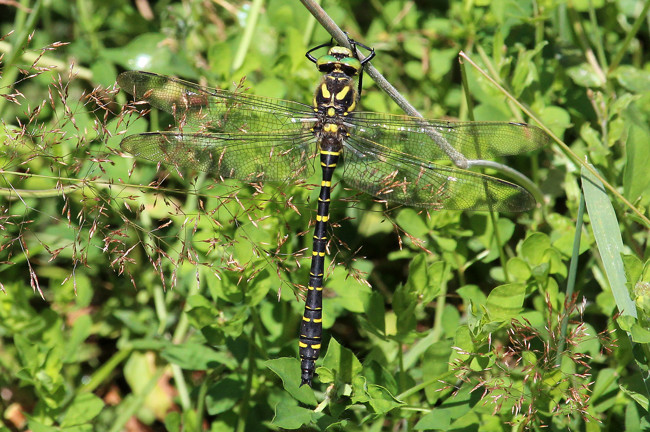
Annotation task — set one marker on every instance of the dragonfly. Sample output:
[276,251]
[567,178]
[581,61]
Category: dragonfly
[395,158]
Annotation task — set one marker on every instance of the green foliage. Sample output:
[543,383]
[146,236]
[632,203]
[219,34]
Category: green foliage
[135,296]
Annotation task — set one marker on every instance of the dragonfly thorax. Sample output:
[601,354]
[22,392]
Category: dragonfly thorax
[334,98]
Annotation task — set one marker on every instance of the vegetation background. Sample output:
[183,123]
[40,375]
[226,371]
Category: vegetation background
[135,298]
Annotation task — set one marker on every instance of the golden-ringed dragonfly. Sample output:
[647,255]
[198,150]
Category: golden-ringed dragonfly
[391,157]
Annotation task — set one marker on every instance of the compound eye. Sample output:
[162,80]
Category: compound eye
[350,65]
[326,63]
[349,71]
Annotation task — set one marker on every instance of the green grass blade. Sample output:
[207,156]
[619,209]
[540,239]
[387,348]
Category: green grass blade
[571,278]
[608,238]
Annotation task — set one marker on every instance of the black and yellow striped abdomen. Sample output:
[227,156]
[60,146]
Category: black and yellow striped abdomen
[311,328]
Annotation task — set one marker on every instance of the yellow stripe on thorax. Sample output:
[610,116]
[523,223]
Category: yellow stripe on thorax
[325,92]
[343,93]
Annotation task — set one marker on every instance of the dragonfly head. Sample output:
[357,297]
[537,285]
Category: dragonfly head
[339,59]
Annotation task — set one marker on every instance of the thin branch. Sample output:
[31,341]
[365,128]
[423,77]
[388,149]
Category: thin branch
[340,37]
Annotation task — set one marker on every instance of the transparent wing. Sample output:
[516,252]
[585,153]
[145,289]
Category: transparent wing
[247,157]
[429,140]
[214,110]
[397,177]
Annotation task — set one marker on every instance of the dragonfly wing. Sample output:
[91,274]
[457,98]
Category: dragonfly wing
[401,178]
[215,110]
[247,157]
[430,140]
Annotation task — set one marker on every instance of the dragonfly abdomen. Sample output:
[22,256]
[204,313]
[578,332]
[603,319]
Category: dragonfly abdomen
[311,329]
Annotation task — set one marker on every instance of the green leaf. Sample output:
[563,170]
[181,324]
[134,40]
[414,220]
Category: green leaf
[435,365]
[634,79]
[518,269]
[641,292]
[80,332]
[633,268]
[104,72]
[375,312]
[608,238]
[352,294]
[556,118]
[410,221]
[525,72]
[441,62]
[173,422]
[201,311]
[443,416]
[636,392]
[534,248]
[504,302]
[376,372]
[84,408]
[223,395]
[404,304]
[148,52]
[193,356]
[472,294]
[418,275]
[464,342]
[341,362]
[587,5]
[36,426]
[371,222]
[290,416]
[584,75]
[640,334]
[414,70]
[381,400]
[636,182]
[288,369]
[632,418]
